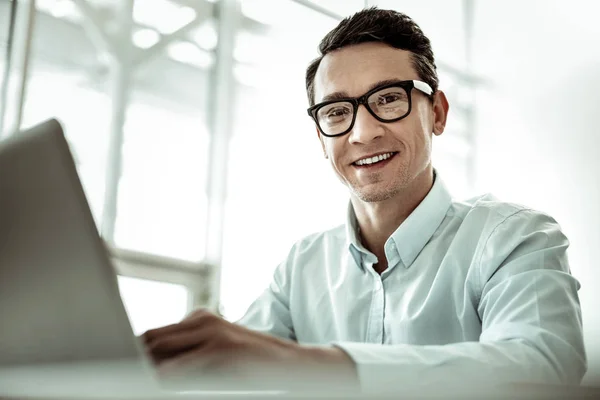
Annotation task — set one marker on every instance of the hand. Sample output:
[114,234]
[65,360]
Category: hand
[205,344]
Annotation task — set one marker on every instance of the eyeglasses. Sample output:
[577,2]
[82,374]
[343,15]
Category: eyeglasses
[388,103]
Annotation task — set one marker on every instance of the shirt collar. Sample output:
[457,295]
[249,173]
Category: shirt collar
[412,235]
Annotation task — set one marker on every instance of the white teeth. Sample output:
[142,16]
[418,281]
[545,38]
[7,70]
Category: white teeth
[375,159]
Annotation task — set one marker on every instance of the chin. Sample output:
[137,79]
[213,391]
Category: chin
[374,196]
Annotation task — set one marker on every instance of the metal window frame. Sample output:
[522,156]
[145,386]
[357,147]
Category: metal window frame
[14,81]
[7,67]
[195,277]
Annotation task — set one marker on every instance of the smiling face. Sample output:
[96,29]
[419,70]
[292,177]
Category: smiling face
[402,148]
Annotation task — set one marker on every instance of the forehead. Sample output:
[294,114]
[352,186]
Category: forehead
[354,69]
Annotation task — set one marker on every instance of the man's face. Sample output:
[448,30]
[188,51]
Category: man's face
[351,72]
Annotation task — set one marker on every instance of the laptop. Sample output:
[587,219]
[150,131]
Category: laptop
[63,327]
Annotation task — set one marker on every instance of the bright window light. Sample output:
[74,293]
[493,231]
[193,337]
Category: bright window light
[45,5]
[63,8]
[205,36]
[343,8]
[145,38]
[251,76]
[163,15]
[286,181]
[260,10]
[189,53]
[162,199]
[59,9]
[253,49]
[85,115]
[270,12]
[151,304]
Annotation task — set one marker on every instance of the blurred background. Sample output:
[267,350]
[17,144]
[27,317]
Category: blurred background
[187,122]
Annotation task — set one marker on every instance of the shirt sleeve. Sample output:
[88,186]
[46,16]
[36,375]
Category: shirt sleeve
[530,316]
[270,312]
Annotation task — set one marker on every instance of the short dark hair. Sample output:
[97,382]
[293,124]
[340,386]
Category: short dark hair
[385,26]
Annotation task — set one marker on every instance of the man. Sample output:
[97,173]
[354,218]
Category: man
[415,287]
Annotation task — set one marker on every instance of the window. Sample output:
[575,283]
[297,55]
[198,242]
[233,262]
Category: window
[4,32]
[152,304]
[280,187]
[161,199]
[62,86]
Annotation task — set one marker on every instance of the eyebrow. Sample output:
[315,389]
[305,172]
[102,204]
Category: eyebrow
[344,95]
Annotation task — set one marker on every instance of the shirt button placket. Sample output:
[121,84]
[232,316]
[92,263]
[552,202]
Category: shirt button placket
[377,312]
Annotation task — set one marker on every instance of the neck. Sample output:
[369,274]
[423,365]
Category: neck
[378,220]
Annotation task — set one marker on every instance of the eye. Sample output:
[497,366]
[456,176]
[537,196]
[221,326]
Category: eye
[337,112]
[389,98]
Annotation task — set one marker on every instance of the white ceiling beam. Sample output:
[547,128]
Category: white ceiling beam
[95,28]
[145,55]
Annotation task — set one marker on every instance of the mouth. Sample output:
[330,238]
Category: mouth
[375,161]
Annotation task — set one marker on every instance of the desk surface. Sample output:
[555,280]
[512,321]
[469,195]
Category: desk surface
[122,381]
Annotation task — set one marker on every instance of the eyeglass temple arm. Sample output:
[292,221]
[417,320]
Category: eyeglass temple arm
[423,87]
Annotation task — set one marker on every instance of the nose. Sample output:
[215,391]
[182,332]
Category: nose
[366,128]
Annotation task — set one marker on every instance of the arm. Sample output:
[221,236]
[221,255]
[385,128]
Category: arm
[530,313]
[260,347]
[270,312]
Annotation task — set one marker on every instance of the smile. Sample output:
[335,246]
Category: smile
[374,159]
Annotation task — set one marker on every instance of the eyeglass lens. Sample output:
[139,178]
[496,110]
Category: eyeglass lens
[388,104]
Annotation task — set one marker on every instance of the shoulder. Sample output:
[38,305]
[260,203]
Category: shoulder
[318,241]
[312,252]
[512,234]
[490,215]
[485,207]
[494,231]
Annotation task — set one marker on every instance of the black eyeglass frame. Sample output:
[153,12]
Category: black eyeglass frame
[357,101]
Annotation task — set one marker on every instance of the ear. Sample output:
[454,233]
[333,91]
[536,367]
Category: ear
[322,143]
[440,112]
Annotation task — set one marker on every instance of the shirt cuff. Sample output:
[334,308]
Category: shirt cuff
[385,369]
[376,371]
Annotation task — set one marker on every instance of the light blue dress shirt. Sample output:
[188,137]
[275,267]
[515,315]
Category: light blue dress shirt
[478,290]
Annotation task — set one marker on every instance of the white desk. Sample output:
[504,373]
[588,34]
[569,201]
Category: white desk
[127,381]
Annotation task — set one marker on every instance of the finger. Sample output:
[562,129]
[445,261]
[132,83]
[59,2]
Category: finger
[174,343]
[191,322]
[169,329]
[198,313]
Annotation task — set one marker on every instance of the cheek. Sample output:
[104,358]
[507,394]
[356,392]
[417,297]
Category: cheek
[336,159]
[333,149]
[422,147]
[336,154]
[421,134]
[425,114]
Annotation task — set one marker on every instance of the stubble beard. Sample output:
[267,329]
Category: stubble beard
[381,194]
